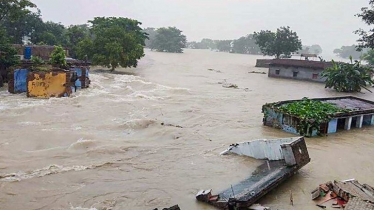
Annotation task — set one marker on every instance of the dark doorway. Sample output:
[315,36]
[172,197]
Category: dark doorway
[354,122]
[341,124]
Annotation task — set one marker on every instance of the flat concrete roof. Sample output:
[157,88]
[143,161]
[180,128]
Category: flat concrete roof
[357,106]
[354,104]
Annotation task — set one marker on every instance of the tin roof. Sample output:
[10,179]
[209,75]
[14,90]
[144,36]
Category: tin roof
[300,63]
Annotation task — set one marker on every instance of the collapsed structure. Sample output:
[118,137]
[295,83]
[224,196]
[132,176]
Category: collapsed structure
[347,194]
[342,113]
[284,158]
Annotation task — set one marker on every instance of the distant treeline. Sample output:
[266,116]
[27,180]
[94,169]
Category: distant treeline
[347,51]
[243,45]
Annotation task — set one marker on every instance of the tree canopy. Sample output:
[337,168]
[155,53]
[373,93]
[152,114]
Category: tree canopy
[7,52]
[12,10]
[368,57]
[151,33]
[367,37]
[169,39]
[348,77]
[113,42]
[281,43]
[246,45]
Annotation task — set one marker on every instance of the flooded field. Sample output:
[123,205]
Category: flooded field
[152,137]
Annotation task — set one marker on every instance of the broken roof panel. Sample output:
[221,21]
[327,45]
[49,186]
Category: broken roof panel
[267,176]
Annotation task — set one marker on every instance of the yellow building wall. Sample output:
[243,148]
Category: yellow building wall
[47,84]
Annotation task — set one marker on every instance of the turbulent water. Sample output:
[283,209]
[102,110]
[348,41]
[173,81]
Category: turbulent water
[152,137]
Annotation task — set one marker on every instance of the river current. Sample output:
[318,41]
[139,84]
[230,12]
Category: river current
[150,137]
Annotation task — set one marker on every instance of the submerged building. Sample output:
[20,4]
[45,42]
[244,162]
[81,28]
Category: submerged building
[356,112]
[298,69]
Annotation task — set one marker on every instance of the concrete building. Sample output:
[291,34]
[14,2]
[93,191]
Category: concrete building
[361,113]
[298,69]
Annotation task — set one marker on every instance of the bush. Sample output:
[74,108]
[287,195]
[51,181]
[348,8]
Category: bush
[348,77]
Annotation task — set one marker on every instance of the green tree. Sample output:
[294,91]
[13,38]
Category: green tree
[207,44]
[314,49]
[75,34]
[169,40]
[16,18]
[58,57]
[7,55]
[12,10]
[49,33]
[114,42]
[151,33]
[281,43]
[369,57]
[246,45]
[24,26]
[348,51]
[348,77]
[366,37]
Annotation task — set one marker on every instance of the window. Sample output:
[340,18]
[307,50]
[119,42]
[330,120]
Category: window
[315,76]
[277,71]
[295,73]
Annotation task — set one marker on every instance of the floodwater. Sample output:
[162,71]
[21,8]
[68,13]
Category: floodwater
[152,137]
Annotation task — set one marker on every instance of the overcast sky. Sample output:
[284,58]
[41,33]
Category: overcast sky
[329,23]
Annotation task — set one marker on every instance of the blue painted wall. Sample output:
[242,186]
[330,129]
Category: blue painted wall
[27,54]
[290,129]
[333,126]
[79,71]
[20,80]
[273,118]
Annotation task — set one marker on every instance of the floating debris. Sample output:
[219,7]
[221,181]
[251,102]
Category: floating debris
[257,72]
[284,158]
[348,194]
[171,125]
[176,207]
[218,71]
[230,85]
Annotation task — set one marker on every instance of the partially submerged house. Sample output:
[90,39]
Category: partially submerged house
[298,69]
[324,115]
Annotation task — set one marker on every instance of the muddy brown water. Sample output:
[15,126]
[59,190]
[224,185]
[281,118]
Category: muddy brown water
[106,147]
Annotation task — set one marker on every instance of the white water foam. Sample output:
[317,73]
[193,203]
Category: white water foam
[49,170]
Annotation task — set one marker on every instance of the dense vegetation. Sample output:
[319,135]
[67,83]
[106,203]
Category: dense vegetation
[368,57]
[367,37]
[113,42]
[57,57]
[311,114]
[109,42]
[280,44]
[348,77]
